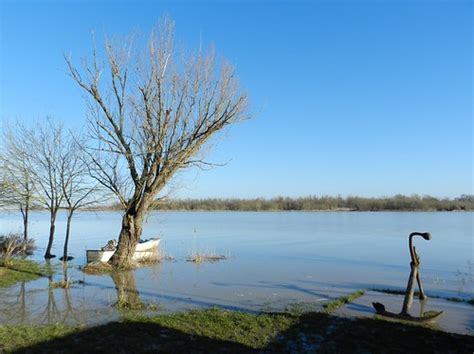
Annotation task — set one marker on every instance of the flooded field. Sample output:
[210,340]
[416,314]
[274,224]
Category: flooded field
[273,259]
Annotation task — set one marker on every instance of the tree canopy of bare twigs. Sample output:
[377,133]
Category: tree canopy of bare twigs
[18,186]
[78,190]
[43,145]
[151,111]
[45,166]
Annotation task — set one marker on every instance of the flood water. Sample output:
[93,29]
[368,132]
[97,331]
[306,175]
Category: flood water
[274,259]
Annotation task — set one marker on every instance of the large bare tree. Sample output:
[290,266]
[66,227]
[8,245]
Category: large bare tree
[151,112]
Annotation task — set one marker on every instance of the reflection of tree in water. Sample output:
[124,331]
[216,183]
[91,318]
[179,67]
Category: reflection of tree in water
[21,300]
[69,310]
[51,313]
[127,293]
[15,311]
[27,308]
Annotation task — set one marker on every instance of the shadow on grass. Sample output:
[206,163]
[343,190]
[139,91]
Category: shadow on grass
[310,332]
[133,337]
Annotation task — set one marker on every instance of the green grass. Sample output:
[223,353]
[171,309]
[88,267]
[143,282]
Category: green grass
[217,330]
[341,301]
[254,331]
[18,270]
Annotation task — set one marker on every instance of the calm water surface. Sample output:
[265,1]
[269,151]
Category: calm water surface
[275,259]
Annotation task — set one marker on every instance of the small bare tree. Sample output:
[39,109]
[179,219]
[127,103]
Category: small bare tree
[4,191]
[150,115]
[77,187]
[43,144]
[17,179]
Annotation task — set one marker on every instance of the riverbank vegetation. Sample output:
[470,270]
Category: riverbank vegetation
[12,245]
[14,268]
[217,330]
[309,203]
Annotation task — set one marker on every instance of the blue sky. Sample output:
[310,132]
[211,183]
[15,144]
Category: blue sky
[366,98]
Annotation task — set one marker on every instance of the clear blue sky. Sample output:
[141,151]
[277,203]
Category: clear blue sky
[364,98]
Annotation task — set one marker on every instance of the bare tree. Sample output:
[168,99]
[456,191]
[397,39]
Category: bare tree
[17,180]
[77,187]
[151,112]
[4,191]
[44,145]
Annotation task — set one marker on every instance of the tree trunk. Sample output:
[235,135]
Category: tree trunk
[128,239]
[48,254]
[25,214]
[65,257]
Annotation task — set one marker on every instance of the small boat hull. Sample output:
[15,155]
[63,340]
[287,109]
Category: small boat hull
[147,245]
[143,250]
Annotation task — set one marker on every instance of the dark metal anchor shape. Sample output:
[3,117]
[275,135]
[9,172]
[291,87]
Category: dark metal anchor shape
[414,275]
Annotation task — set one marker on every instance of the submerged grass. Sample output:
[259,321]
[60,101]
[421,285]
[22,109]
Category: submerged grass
[341,301]
[218,330]
[63,284]
[154,258]
[18,270]
[96,268]
[205,257]
[128,306]
[402,292]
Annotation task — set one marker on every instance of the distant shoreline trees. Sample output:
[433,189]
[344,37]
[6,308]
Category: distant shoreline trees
[309,203]
[322,203]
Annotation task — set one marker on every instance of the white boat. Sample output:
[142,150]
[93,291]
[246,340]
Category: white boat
[144,249]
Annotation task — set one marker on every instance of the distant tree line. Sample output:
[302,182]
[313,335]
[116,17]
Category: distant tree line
[352,203]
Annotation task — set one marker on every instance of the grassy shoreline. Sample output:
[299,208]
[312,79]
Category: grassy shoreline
[217,330]
[18,270]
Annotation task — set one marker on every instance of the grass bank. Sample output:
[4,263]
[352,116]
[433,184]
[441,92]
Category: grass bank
[341,301]
[18,270]
[217,330]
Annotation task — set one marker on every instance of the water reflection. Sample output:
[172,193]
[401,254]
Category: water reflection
[46,301]
[127,292]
